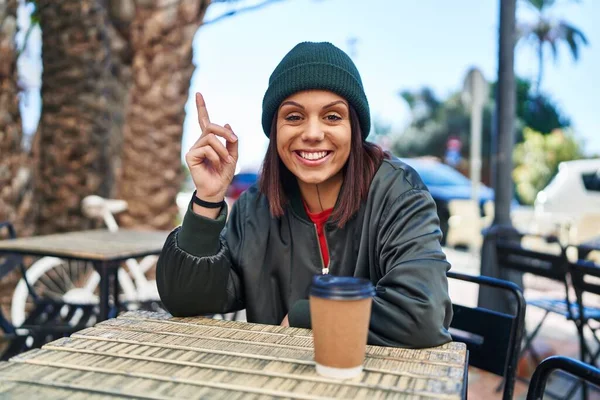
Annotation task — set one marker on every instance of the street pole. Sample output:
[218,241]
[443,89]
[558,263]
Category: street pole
[475,166]
[474,96]
[504,138]
[505,109]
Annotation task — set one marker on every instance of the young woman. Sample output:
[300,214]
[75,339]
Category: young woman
[327,202]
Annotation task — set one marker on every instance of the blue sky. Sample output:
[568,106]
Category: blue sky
[399,45]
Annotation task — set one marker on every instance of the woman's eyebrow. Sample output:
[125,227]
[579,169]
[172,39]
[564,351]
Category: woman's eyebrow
[334,103]
[291,103]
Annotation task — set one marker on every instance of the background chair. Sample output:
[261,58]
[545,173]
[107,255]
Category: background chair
[492,338]
[569,365]
[585,277]
[511,255]
[48,320]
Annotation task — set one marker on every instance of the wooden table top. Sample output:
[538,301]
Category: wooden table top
[155,356]
[95,245]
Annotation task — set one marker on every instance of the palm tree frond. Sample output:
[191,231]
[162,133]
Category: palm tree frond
[578,33]
[540,5]
[574,38]
[554,50]
[573,46]
[409,97]
[523,29]
[550,31]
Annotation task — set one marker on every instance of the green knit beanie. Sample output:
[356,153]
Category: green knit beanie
[316,66]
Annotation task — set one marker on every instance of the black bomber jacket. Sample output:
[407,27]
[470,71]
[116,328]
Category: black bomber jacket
[265,264]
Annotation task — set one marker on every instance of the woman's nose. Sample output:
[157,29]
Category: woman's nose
[314,130]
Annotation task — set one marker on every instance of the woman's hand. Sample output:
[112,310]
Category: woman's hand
[211,164]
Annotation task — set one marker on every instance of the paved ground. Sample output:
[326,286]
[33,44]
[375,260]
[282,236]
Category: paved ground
[557,336]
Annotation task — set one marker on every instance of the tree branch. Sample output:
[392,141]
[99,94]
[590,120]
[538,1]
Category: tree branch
[238,11]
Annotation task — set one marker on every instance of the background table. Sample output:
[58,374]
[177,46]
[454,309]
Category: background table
[104,249]
[155,356]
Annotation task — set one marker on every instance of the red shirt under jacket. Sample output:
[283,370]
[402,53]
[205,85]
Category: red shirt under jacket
[319,220]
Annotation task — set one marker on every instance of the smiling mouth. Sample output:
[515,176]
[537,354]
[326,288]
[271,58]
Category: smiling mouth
[313,155]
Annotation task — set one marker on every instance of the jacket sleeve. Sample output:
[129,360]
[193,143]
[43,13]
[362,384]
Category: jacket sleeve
[412,307]
[198,270]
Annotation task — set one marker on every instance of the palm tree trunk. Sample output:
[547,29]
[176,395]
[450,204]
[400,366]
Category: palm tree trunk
[76,144]
[151,173]
[15,177]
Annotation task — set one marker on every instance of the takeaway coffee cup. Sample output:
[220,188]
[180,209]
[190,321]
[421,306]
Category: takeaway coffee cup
[340,310]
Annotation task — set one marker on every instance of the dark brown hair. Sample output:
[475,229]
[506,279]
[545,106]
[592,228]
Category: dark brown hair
[363,161]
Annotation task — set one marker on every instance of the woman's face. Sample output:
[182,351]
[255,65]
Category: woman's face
[313,135]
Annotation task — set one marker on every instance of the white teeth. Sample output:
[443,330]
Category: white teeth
[313,155]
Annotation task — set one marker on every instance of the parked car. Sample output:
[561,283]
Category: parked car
[446,184]
[573,191]
[239,184]
[571,201]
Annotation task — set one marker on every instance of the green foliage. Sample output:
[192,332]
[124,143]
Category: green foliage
[434,120]
[536,111]
[35,15]
[540,114]
[536,160]
[380,128]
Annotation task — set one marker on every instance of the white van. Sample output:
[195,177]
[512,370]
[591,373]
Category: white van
[574,190]
[572,196]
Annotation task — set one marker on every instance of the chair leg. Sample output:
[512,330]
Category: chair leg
[527,345]
[573,389]
[583,351]
[16,346]
[594,357]
[529,339]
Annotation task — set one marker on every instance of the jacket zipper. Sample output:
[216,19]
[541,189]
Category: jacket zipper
[325,269]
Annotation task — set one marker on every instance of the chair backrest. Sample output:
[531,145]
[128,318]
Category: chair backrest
[585,277]
[512,255]
[8,262]
[492,338]
[581,370]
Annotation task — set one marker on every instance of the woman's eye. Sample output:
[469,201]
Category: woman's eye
[333,117]
[292,118]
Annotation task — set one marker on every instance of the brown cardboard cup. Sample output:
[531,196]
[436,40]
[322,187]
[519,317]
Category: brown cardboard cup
[340,310]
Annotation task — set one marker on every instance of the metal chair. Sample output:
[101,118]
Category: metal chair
[49,319]
[569,365]
[492,338]
[513,256]
[585,276]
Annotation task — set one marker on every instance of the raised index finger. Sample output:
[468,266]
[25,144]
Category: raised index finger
[203,119]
